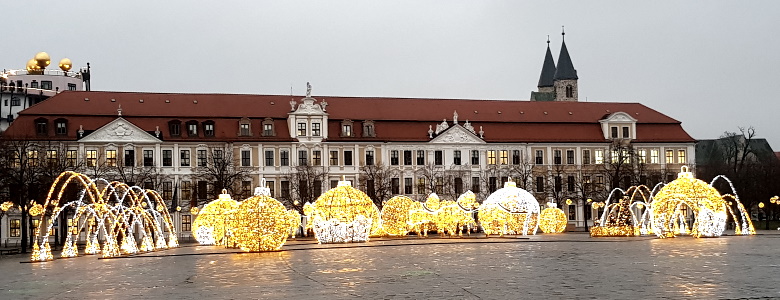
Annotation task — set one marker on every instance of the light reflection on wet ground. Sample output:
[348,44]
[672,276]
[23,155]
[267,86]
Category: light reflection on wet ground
[546,266]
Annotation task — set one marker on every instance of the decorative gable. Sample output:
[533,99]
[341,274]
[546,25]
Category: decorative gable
[456,134]
[120,131]
[613,126]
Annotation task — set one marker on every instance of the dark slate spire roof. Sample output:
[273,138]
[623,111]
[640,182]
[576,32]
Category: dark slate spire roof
[565,67]
[548,69]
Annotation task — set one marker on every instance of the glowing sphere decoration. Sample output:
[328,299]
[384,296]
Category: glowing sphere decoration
[65,64]
[552,219]
[261,223]
[510,210]
[344,214]
[396,215]
[211,226]
[688,199]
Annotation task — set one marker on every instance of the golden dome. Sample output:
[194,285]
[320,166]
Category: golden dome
[65,64]
[43,59]
[32,66]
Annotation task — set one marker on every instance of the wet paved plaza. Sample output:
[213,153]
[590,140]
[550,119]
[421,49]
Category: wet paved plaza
[570,265]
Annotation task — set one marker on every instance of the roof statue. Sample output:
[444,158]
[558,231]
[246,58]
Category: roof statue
[469,127]
[455,117]
[430,131]
[292,104]
[442,127]
[308,90]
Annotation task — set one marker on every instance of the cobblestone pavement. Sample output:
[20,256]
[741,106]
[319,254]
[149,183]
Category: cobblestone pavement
[570,265]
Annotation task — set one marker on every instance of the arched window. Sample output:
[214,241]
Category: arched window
[244,127]
[368,129]
[192,128]
[569,91]
[268,127]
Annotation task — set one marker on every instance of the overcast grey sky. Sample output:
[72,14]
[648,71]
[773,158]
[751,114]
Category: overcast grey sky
[713,65]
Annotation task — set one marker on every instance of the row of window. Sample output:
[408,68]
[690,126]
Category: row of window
[502,157]
[303,129]
[44,85]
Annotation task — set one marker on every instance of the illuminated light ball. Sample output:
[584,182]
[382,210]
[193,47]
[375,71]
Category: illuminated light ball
[706,203]
[343,209]
[396,215]
[760,204]
[178,208]
[65,64]
[6,205]
[261,223]
[36,210]
[568,202]
[213,218]
[433,202]
[509,210]
[468,201]
[194,210]
[42,59]
[552,219]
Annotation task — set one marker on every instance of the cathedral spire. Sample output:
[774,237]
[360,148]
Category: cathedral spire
[548,68]
[565,68]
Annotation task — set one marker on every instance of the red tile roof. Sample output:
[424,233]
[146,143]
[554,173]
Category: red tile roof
[397,119]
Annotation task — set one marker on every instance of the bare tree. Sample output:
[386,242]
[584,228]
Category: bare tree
[20,173]
[305,185]
[222,170]
[377,182]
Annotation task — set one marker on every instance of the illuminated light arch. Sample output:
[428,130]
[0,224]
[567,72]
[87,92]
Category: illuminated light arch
[708,209]
[552,219]
[211,226]
[510,210]
[108,211]
[261,223]
[744,225]
[344,214]
[620,217]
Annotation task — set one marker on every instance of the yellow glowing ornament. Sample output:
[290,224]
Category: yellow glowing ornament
[552,219]
[396,215]
[568,202]
[261,223]
[211,226]
[36,210]
[688,199]
[344,214]
[194,210]
[761,205]
[6,205]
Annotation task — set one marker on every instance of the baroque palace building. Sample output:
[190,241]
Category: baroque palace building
[554,146]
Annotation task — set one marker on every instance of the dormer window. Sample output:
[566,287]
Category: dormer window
[626,132]
[346,128]
[368,129]
[208,128]
[614,130]
[174,128]
[192,128]
[42,126]
[61,127]
[268,127]
[244,127]
[301,129]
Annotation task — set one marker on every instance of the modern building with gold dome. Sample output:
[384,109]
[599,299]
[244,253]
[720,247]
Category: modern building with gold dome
[20,89]
[555,147]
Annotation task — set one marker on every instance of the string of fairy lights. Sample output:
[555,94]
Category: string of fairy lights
[114,219]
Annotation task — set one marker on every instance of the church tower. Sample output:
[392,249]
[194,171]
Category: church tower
[546,88]
[565,78]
